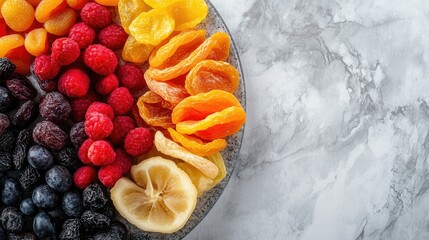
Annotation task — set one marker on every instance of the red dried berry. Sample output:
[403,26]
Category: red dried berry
[74,83]
[109,175]
[84,176]
[123,161]
[138,142]
[131,76]
[95,15]
[107,84]
[54,107]
[102,108]
[45,67]
[98,126]
[113,36]
[65,51]
[83,151]
[80,105]
[121,126]
[101,153]
[49,135]
[100,59]
[82,34]
[121,101]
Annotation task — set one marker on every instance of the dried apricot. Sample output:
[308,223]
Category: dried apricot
[159,3]
[178,48]
[152,27]
[1,4]
[34,3]
[188,13]
[48,8]
[18,14]
[208,75]
[36,42]
[214,48]
[129,10]
[77,4]
[196,146]
[154,110]
[136,52]
[10,42]
[107,2]
[62,23]
[170,91]
[3,28]
[21,58]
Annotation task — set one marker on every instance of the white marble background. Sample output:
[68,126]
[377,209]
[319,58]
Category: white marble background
[337,139]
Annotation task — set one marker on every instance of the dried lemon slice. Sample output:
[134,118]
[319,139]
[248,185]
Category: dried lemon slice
[170,148]
[161,200]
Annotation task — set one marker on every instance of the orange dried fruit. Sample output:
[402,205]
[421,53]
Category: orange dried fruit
[188,13]
[177,48]
[18,14]
[196,146]
[36,42]
[77,4]
[34,3]
[215,48]
[154,110]
[129,10]
[159,3]
[61,23]
[152,27]
[49,8]
[21,58]
[3,28]
[136,52]
[171,91]
[209,75]
[10,42]
[110,3]
[1,4]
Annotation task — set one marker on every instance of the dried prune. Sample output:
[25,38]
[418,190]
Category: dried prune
[12,219]
[78,134]
[22,236]
[21,88]
[7,140]
[49,135]
[92,221]
[29,178]
[68,158]
[6,99]
[54,107]
[6,68]
[21,147]
[4,123]
[94,197]
[25,115]
[71,230]
[6,163]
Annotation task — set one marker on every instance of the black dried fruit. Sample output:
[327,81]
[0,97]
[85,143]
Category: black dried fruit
[7,67]
[29,178]
[6,162]
[4,123]
[92,221]
[72,204]
[48,134]
[21,88]
[68,158]
[71,230]
[6,99]
[108,210]
[78,134]
[107,234]
[94,197]
[7,140]
[12,220]
[22,236]
[120,229]
[21,147]
[11,194]
[25,115]
[54,107]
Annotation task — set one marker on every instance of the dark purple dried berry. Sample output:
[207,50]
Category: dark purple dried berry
[21,88]
[6,99]
[21,147]
[92,221]
[78,134]
[49,135]
[7,140]
[71,230]
[25,115]
[12,220]
[120,229]
[68,158]
[4,123]
[107,234]
[29,178]
[22,236]
[94,197]
[6,162]
[55,107]
[6,68]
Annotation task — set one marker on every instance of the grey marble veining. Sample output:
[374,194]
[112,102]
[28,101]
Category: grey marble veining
[337,138]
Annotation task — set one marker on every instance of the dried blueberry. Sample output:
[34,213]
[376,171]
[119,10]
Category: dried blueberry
[40,157]
[59,178]
[25,115]
[11,220]
[7,67]
[27,207]
[6,162]
[71,230]
[94,197]
[72,204]
[49,135]
[68,158]
[4,123]
[21,147]
[29,178]
[78,134]
[12,192]
[44,226]
[45,197]
[54,107]
[7,140]
[92,221]
[21,88]
[6,99]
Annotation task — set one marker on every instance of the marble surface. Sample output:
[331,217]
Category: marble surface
[337,140]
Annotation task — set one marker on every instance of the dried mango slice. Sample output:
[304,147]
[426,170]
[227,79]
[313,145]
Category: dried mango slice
[152,27]
[208,75]
[177,49]
[170,91]
[173,149]
[202,105]
[196,146]
[216,48]
[129,10]
[188,13]
[154,110]
[217,125]
[136,52]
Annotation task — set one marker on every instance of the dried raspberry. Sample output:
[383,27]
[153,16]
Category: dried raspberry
[113,36]
[98,126]
[123,161]
[121,101]
[107,84]
[100,59]
[74,83]
[138,141]
[101,153]
[131,76]
[83,34]
[102,108]
[95,15]
[46,68]
[121,126]
[80,105]
[84,176]
[83,151]
[109,175]
[65,51]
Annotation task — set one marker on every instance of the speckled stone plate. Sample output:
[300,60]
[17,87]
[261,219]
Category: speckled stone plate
[213,23]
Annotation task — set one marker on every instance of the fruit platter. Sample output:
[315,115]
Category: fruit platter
[119,119]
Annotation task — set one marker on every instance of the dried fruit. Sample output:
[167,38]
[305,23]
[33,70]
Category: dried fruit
[83,151]
[65,51]
[98,126]
[95,15]
[49,135]
[80,105]
[93,221]
[21,88]
[113,36]
[172,91]
[196,146]
[46,9]
[107,2]
[188,13]
[136,52]
[18,14]
[20,152]
[7,140]
[107,84]
[102,108]
[78,134]
[94,197]
[29,178]
[131,76]
[6,161]
[154,110]
[129,10]
[45,67]
[6,99]
[159,3]
[10,42]
[61,23]
[55,107]
[138,141]
[36,42]
[25,115]
[21,58]
[71,230]
[121,126]
[77,4]
[74,83]
[84,176]
[6,68]
[83,34]
[4,123]
[100,59]
[101,153]
[68,158]
[12,220]
[121,101]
